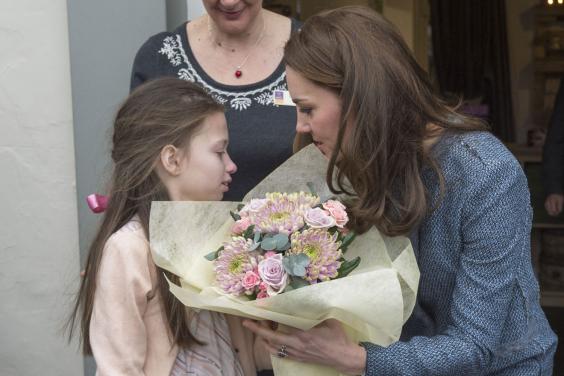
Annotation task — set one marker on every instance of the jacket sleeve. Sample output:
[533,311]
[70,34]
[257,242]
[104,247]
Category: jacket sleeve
[494,230]
[117,330]
[553,151]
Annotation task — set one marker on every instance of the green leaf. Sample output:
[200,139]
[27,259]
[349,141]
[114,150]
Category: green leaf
[213,255]
[297,283]
[282,241]
[295,265]
[284,248]
[254,247]
[348,266]
[347,240]
[235,216]
[240,206]
[268,244]
[257,237]
[249,232]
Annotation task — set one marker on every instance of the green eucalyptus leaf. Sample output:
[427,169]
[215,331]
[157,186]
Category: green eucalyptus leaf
[235,216]
[254,247]
[268,244]
[295,265]
[257,237]
[348,266]
[286,247]
[281,241]
[297,283]
[213,255]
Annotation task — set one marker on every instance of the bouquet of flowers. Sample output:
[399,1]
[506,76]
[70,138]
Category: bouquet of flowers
[283,242]
[283,260]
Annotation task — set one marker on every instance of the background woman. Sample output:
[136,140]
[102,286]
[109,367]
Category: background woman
[421,169]
[235,53]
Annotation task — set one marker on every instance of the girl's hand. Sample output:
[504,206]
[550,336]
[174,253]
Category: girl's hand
[326,344]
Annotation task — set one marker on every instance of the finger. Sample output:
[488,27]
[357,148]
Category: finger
[275,338]
[549,206]
[558,206]
[292,353]
[331,323]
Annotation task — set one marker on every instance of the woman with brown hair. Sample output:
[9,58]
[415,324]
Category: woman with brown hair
[169,143]
[418,168]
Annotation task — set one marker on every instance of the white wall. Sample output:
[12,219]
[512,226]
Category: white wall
[38,220]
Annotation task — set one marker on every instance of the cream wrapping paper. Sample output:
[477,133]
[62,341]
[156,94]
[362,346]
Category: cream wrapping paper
[372,302]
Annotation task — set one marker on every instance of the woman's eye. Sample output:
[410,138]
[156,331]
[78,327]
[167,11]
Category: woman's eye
[305,110]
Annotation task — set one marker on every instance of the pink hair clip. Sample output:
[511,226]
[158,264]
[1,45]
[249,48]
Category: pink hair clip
[97,203]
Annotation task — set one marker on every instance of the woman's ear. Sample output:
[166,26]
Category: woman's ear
[171,159]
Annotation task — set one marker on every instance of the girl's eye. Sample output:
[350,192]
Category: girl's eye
[305,110]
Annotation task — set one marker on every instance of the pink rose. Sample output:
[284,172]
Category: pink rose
[273,274]
[319,218]
[241,226]
[253,206]
[270,254]
[338,211]
[250,280]
[262,294]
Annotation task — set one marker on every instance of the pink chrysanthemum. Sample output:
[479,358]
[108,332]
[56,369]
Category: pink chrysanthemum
[323,250]
[282,212]
[234,261]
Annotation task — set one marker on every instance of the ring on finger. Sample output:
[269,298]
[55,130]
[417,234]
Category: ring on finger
[282,351]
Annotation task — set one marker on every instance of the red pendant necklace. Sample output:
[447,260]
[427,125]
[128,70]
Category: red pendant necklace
[239,68]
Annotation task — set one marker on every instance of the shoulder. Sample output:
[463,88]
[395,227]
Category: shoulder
[127,258]
[156,42]
[129,242]
[475,157]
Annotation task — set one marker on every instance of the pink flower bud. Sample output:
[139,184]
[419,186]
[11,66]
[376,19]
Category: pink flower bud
[241,226]
[338,211]
[250,280]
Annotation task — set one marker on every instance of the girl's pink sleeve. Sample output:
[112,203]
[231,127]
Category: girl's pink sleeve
[117,330]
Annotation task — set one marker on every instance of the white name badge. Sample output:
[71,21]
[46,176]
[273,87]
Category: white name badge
[282,98]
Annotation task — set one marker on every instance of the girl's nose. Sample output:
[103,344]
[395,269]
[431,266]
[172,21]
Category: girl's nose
[302,127]
[230,166]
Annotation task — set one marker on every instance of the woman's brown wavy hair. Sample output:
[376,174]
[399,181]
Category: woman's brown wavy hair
[165,111]
[361,57]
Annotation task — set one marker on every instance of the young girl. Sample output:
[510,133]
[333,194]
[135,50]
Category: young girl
[169,143]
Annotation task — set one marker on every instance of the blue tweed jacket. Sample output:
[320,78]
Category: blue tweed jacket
[477,310]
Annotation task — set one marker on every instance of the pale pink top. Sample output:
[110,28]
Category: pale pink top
[215,356]
[129,334]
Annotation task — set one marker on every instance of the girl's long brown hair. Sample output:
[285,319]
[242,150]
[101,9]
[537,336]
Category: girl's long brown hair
[361,57]
[166,111]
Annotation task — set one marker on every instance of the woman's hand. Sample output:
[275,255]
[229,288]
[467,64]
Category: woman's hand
[326,344]
[554,203]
